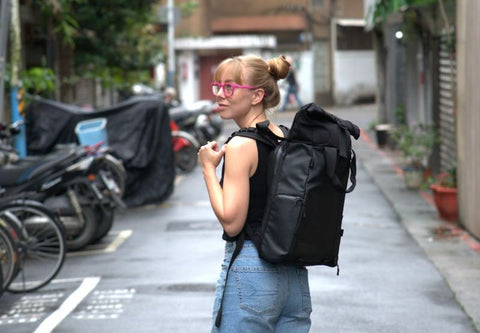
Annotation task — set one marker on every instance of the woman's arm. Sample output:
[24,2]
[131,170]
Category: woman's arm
[230,203]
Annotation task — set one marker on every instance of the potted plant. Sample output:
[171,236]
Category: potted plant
[445,194]
[415,143]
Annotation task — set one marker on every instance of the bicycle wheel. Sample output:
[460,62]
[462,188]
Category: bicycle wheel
[8,256]
[41,244]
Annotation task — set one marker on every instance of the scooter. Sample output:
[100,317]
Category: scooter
[185,148]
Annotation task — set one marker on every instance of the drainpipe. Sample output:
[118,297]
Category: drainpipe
[333,47]
[171,43]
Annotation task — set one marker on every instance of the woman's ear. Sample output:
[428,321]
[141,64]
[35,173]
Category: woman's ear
[258,96]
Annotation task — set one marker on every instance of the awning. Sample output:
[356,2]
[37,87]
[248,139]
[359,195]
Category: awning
[351,22]
[266,23]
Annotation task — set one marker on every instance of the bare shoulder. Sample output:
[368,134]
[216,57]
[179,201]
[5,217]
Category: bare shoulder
[241,155]
[239,143]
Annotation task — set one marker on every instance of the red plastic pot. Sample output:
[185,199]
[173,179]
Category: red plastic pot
[446,201]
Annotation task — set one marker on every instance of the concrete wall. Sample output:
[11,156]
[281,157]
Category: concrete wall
[322,72]
[349,8]
[468,115]
[394,70]
[355,77]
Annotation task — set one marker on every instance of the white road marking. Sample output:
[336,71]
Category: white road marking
[122,236]
[68,280]
[177,180]
[68,305]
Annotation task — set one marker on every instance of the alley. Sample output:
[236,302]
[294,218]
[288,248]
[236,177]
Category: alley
[161,278]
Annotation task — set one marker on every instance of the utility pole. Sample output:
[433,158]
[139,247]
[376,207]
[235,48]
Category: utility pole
[16,61]
[4,20]
[171,43]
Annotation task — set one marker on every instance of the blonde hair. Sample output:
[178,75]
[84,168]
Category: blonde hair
[254,71]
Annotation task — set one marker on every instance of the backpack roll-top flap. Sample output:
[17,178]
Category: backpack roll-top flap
[315,125]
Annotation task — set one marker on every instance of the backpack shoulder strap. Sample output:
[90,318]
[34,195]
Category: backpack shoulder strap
[260,133]
[238,247]
[331,161]
[284,130]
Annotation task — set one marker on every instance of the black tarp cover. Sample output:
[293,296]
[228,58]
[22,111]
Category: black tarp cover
[138,133]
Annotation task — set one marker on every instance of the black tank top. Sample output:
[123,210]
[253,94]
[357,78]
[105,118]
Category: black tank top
[258,195]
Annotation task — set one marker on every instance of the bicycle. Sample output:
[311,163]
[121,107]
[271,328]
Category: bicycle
[8,255]
[39,238]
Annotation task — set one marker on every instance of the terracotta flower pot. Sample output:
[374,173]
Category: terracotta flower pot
[446,201]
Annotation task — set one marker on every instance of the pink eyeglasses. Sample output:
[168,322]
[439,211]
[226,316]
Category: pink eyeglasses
[228,88]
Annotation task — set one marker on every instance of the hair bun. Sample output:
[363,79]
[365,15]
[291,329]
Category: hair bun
[278,67]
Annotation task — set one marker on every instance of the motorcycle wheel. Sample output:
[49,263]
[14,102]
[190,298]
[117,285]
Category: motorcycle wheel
[105,219]
[78,239]
[186,158]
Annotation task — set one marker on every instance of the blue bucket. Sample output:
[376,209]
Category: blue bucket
[92,131]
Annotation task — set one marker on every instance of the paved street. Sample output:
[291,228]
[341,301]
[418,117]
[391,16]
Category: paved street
[162,273]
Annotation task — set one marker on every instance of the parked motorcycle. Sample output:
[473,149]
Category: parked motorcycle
[82,184]
[7,152]
[199,119]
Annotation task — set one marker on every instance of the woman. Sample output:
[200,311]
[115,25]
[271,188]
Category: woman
[259,296]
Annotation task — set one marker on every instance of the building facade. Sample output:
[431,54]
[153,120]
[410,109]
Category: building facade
[467,115]
[426,63]
[306,30]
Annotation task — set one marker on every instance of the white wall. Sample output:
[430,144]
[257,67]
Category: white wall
[187,66]
[303,63]
[354,75]
[305,77]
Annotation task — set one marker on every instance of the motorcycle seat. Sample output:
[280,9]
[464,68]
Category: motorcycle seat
[26,169]
[179,114]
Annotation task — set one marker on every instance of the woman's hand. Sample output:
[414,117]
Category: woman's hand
[209,155]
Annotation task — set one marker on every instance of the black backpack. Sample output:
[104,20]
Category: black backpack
[310,169]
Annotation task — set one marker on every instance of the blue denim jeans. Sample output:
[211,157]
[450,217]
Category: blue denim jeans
[261,297]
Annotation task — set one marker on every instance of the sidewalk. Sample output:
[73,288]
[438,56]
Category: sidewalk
[454,252]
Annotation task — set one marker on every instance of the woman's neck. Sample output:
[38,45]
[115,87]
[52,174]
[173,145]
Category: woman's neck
[251,119]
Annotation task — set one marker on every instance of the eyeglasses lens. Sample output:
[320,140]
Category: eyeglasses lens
[215,89]
[228,89]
